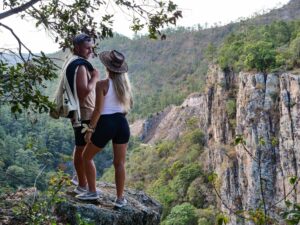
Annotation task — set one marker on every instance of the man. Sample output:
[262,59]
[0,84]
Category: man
[84,77]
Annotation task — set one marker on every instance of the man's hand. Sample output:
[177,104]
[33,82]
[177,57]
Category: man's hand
[94,73]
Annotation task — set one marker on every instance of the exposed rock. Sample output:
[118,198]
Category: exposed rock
[268,118]
[172,122]
[266,114]
[140,210]
[136,128]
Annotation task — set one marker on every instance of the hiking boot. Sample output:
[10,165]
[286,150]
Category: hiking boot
[120,202]
[88,196]
[80,190]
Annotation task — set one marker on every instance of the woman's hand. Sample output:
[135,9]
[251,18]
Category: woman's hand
[87,137]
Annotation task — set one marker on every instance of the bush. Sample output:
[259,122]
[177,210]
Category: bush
[195,137]
[184,178]
[295,51]
[231,108]
[196,193]
[15,171]
[207,216]
[262,48]
[184,214]
[260,56]
[164,148]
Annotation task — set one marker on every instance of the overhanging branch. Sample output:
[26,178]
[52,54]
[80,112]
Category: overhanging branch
[20,43]
[18,9]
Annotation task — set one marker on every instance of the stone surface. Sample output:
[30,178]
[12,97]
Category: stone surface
[140,210]
[267,117]
[172,122]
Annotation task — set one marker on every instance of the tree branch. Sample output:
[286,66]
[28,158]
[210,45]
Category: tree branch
[18,9]
[19,42]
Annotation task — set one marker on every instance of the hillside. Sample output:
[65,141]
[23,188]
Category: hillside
[247,134]
[190,110]
[165,72]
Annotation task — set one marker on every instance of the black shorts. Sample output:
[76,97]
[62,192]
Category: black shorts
[111,127]
[79,137]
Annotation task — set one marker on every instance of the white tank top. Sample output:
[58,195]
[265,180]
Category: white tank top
[111,102]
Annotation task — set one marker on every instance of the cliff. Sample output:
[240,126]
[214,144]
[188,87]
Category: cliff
[140,210]
[267,119]
[263,110]
[171,122]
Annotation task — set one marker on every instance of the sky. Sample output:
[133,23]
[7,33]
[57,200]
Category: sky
[194,12]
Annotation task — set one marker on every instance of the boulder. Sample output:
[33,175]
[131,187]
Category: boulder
[140,210]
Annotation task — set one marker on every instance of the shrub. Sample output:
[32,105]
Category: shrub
[260,56]
[196,193]
[184,178]
[182,215]
[231,108]
[195,137]
[164,148]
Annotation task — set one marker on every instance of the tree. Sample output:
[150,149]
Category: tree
[181,215]
[21,83]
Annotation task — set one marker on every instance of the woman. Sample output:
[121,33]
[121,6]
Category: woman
[108,122]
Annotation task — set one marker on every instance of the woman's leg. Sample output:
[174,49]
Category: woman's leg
[119,164]
[90,170]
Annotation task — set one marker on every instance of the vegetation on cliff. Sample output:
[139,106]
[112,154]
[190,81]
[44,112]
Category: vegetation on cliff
[172,172]
[265,48]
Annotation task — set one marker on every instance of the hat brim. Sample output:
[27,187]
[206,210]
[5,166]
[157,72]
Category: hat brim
[105,59]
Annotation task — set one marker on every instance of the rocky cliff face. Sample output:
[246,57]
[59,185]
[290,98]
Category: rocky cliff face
[264,111]
[267,118]
[171,122]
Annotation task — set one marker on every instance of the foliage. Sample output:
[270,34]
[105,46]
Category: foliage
[292,213]
[262,48]
[181,215]
[183,179]
[40,209]
[22,77]
[21,84]
[257,216]
[195,136]
[207,216]
[81,221]
[31,143]
[231,108]
[211,53]
[171,173]
[259,56]
[222,219]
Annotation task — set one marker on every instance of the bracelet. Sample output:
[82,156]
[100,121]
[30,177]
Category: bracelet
[87,128]
[92,129]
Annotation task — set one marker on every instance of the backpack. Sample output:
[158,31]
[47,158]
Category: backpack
[66,99]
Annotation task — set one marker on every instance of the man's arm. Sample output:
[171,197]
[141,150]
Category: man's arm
[85,86]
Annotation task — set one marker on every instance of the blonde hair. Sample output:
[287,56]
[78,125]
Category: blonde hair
[122,88]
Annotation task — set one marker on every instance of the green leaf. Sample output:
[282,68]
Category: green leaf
[293,180]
